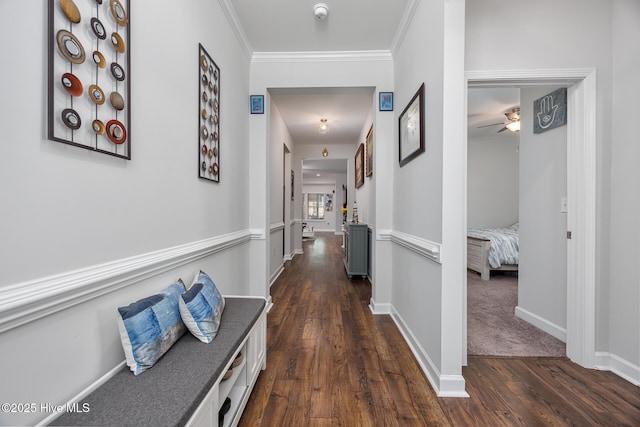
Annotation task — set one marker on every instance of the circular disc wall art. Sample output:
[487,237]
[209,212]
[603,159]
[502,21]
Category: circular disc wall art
[70,10]
[89,83]
[116,131]
[96,94]
[98,29]
[70,47]
[98,127]
[208,101]
[98,58]
[71,118]
[117,41]
[118,12]
[117,71]
[117,101]
[71,84]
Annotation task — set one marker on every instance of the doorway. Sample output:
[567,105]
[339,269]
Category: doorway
[516,180]
[581,156]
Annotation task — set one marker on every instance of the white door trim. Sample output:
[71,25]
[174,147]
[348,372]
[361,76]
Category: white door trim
[581,194]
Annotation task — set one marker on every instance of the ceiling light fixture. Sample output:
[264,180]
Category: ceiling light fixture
[320,11]
[324,127]
[513,126]
[325,152]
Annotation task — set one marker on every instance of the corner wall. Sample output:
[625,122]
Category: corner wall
[427,275]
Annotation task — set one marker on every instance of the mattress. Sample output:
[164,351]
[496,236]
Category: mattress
[505,244]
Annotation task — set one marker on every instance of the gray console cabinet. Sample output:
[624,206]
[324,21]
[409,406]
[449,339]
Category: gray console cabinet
[356,249]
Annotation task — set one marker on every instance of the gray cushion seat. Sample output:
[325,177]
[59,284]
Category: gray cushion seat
[169,392]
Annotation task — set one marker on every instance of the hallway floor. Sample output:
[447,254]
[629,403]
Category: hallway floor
[330,362]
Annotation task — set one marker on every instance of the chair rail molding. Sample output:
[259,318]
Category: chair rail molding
[423,247]
[25,302]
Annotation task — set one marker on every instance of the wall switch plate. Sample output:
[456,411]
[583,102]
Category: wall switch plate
[564,206]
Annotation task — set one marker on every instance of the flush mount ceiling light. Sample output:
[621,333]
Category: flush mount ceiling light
[325,152]
[324,127]
[320,11]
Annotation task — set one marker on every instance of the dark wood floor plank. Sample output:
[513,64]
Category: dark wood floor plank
[331,362]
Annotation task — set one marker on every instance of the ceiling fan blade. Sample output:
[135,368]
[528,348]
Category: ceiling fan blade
[503,129]
[492,124]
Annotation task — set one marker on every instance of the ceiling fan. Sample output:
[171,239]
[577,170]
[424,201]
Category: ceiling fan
[512,123]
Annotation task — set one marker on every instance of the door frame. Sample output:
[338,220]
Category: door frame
[581,192]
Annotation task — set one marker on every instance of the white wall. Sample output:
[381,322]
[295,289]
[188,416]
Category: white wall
[542,277]
[65,210]
[417,187]
[279,190]
[624,296]
[492,181]
[585,34]
[365,195]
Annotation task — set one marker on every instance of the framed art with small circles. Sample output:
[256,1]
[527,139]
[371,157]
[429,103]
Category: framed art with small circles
[209,117]
[89,69]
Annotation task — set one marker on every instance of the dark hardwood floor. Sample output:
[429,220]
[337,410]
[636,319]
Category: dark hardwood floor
[330,362]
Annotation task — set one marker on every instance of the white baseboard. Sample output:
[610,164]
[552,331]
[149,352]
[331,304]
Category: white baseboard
[298,252]
[444,385]
[276,274]
[540,323]
[379,308]
[606,361]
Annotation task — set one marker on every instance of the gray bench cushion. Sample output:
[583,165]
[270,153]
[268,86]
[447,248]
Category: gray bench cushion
[169,392]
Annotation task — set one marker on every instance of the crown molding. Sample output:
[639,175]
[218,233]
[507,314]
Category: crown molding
[323,56]
[403,27]
[232,17]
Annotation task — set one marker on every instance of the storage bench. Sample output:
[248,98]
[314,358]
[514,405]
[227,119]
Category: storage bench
[185,386]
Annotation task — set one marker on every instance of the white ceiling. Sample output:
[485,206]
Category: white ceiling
[345,109]
[487,106]
[325,168]
[289,25]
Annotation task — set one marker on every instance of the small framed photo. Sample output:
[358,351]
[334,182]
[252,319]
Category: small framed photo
[359,166]
[257,104]
[411,128]
[385,101]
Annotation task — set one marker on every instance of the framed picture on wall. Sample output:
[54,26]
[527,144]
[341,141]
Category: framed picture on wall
[89,85]
[411,128]
[385,101]
[292,184]
[359,166]
[369,152]
[257,104]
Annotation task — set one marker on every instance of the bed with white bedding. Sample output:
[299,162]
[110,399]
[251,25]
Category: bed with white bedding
[492,249]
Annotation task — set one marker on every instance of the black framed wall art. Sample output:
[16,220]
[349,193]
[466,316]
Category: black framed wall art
[359,166]
[88,78]
[209,117]
[411,128]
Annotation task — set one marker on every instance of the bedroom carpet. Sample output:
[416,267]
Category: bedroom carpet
[492,327]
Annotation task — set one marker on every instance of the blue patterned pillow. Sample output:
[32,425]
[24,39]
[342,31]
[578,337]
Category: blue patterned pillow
[201,308]
[150,326]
